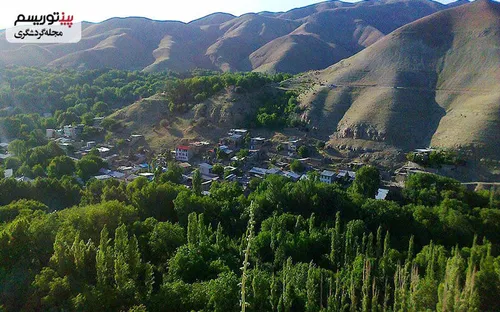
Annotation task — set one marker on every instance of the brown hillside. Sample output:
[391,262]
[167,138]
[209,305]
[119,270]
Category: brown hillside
[307,38]
[433,82]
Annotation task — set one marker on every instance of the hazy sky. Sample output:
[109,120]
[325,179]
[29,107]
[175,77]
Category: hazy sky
[182,10]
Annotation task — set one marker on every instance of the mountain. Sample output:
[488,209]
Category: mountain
[434,82]
[307,38]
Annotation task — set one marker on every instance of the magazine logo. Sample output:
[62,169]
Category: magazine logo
[51,28]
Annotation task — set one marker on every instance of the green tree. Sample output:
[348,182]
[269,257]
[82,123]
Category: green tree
[218,169]
[100,108]
[367,182]
[25,171]
[38,171]
[88,119]
[296,166]
[173,174]
[303,151]
[13,163]
[104,262]
[61,166]
[197,182]
[18,148]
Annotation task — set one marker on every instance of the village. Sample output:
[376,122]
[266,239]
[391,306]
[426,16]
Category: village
[236,157]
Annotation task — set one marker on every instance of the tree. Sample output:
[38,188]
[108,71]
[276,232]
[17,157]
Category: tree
[61,166]
[104,261]
[25,171]
[320,145]
[297,166]
[367,182]
[218,169]
[18,148]
[110,124]
[173,174]
[303,151]
[242,153]
[38,171]
[100,108]
[13,163]
[87,167]
[197,182]
[88,119]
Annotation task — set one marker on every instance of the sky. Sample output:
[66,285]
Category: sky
[181,10]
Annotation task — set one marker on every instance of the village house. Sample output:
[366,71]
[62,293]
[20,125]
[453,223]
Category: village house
[199,148]
[50,133]
[293,145]
[3,157]
[242,132]
[134,138]
[73,132]
[258,172]
[292,175]
[382,194]
[103,151]
[423,153]
[8,173]
[226,150]
[186,167]
[327,176]
[205,169]
[257,143]
[183,153]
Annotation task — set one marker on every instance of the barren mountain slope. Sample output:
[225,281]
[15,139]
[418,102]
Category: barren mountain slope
[432,82]
[307,38]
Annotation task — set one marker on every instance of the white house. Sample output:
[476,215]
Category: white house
[183,153]
[205,169]
[327,176]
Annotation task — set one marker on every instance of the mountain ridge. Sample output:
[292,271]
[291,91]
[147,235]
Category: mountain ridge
[422,85]
[224,42]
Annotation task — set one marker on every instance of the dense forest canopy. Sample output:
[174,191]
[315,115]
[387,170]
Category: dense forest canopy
[309,246]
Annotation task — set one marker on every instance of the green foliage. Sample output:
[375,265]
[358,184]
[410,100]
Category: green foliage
[218,169]
[13,163]
[277,109]
[436,158]
[61,166]
[89,165]
[367,182]
[197,182]
[11,211]
[430,189]
[242,153]
[110,124]
[320,145]
[303,151]
[305,246]
[173,173]
[297,166]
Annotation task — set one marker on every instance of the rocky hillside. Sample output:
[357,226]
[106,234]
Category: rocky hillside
[433,82]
